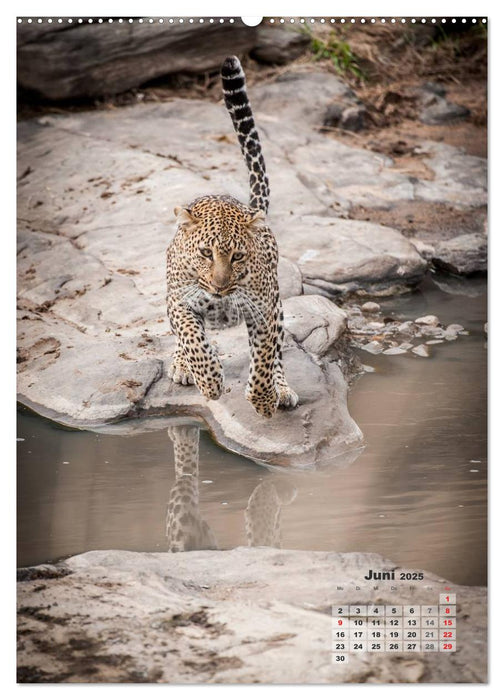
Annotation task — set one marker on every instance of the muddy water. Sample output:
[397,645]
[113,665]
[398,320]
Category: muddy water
[416,494]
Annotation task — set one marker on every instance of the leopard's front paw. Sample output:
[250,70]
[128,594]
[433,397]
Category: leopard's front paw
[264,400]
[211,387]
[179,372]
[287,398]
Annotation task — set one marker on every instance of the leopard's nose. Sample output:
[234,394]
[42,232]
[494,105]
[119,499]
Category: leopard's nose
[219,288]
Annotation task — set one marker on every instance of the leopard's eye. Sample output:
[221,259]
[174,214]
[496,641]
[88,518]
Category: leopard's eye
[206,252]
[238,256]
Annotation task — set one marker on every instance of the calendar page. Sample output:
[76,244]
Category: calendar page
[252,333]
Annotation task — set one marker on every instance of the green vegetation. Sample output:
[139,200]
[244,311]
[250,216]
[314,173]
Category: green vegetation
[339,53]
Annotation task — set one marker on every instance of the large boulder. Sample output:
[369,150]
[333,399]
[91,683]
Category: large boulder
[314,322]
[101,59]
[347,255]
[92,60]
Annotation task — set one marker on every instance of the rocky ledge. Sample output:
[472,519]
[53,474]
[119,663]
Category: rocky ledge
[248,615]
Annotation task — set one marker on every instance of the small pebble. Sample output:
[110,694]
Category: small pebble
[20,439]
[370,307]
[406,346]
[427,321]
[432,331]
[451,336]
[426,251]
[207,481]
[421,351]
[406,327]
[394,351]
[433,342]
[374,347]
[454,328]
[353,311]
[367,368]
[376,325]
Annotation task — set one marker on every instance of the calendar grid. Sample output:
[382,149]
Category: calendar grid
[388,628]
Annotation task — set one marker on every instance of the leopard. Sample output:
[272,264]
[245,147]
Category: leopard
[222,270]
[187,530]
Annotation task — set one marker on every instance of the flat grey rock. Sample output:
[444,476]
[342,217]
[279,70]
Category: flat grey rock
[300,96]
[279,46]
[441,111]
[463,255]
[245,615]
[459,179]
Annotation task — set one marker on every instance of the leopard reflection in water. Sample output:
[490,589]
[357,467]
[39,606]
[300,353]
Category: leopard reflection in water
[187,530]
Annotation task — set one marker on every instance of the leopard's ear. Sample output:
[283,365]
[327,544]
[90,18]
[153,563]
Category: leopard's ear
[184,215]
[257,220]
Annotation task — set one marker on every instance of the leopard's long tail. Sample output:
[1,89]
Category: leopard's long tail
[238,105]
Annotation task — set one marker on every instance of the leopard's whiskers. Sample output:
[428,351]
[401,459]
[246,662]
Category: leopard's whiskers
[247,303]
[236,306]
[192,293]
[247,309]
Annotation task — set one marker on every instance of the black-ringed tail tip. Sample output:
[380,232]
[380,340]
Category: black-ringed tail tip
[231,66]
[240,111]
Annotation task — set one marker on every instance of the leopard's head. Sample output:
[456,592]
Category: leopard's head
[219,242]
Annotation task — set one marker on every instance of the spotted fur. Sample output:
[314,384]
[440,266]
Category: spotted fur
[222,269]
